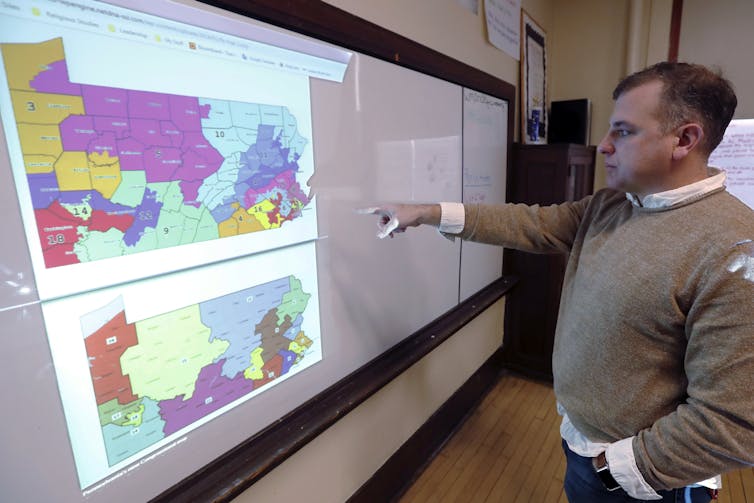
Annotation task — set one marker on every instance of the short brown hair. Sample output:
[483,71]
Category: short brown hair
[690,93]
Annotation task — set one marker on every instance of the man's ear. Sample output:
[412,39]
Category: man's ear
[688,137]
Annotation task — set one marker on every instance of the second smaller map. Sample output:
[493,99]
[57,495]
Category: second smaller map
[156,376]
[142,364]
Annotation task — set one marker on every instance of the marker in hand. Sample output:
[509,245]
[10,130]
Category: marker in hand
[387,223]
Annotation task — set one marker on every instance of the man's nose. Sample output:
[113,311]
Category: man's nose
[605,146]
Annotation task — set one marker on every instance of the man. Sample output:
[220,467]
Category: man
[653,359]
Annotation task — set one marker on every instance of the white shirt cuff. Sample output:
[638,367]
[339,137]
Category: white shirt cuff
[452,218]
[622,463]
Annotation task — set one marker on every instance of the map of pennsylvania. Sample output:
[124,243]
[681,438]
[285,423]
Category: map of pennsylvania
[156,376]
[115,171]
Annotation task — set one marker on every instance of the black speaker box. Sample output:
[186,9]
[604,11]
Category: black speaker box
[569,121]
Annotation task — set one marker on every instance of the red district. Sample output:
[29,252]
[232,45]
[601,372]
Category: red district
[272,369]
[103,221]
[57,233]
[105,347]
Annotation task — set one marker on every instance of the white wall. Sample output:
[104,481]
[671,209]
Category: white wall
[719,34]
[449,28]
[588,59]
[595,45]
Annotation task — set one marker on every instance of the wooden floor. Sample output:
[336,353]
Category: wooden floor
[491,457]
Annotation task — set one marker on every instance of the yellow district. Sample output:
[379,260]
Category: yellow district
[24,61]
[72,171]
[134,418]
[240,222]
[44,108]
[254,371]
[39,163]
[303,341]
[293,346]
[105,173]
[173,349]
[296,345]
[259,212]
[40,139]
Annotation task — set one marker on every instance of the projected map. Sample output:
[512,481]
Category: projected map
[159,375]
[115,171]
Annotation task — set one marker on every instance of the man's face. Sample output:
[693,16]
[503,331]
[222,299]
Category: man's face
[637,153]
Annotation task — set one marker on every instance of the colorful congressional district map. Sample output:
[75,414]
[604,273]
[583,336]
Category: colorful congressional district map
[157,376]
[116,171]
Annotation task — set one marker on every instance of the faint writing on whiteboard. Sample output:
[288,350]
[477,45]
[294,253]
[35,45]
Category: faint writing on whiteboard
[485,140]
[483,114]
[485,119]
[476,186]
[422,169]
[471,96]
[735,155]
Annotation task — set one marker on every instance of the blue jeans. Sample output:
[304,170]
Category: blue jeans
[583,486]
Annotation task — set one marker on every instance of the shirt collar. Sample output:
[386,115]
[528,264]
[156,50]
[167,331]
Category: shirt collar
[665,199]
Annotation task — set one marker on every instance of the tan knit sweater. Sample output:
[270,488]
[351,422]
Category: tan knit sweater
[655,335]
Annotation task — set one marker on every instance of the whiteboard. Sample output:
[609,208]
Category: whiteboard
[382,133]
[485,156]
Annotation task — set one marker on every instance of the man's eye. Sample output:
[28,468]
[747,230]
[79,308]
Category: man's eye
[621,132]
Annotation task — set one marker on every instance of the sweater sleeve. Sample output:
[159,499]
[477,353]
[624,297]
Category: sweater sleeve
[536,229]
[713,431]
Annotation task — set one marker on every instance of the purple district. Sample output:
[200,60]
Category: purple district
[44,189]
[146,215]
[55,80]
[289,358]
[162,163]
[294,189]
[223,211]
[198,143]
[100,100]
[185,113]
[131,155]
[266,159]
[118,125]
[211,385]
[148,105]
[198,167]
[170,130]
[190,191]
[148,132]
[104,143]
[200,159]
[76,132]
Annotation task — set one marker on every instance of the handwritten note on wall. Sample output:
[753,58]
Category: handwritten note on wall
[735,155]
[504,25]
